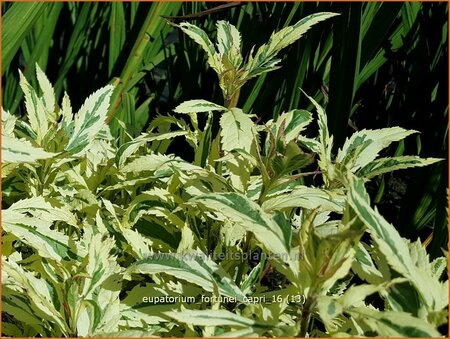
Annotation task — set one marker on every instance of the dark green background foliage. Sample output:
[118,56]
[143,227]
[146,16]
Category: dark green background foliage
[376,65]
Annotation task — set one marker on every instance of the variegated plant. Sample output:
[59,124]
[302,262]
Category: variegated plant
[101,239]
[226,57]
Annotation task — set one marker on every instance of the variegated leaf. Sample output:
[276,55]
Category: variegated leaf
[229,43]
[149,302]
[385,165]
[201,38]
[22,151]
[290,34]
[99,309]
[128,148]
[290,124]
[363,146]
[101,264]
[307,197]
[67,123]
[99,152]
[48,95]
[35,230]
[264,59]
[364,266]
[216,318]
[194,267]
[328,309]
[129,334]
[14,304]
[37,292]
[325,143]
[237,130]
[393,246]
[162,165]
[241,210]
[8,123]
[139,245]
[35,109]
[198,106]
[89,120]
[393,324]
[310,144]
[156,202]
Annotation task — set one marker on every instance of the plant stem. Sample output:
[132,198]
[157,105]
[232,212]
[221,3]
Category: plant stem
[232,102]
[134,61]
[245,249]
[43,177]
[305,317]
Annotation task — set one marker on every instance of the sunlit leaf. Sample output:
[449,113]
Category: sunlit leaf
[89,120]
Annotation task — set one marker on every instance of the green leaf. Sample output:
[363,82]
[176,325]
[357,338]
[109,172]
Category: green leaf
[194,267]
[89,120]
[344,67]
[149,47]
[17,22]
[198,106]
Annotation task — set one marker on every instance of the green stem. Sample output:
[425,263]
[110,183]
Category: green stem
[134,61]
[245,249]
[264,173]
[43,177]
[305,317]
[208,237]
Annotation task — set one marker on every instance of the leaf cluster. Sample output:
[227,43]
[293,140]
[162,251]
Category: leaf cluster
[106,239]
